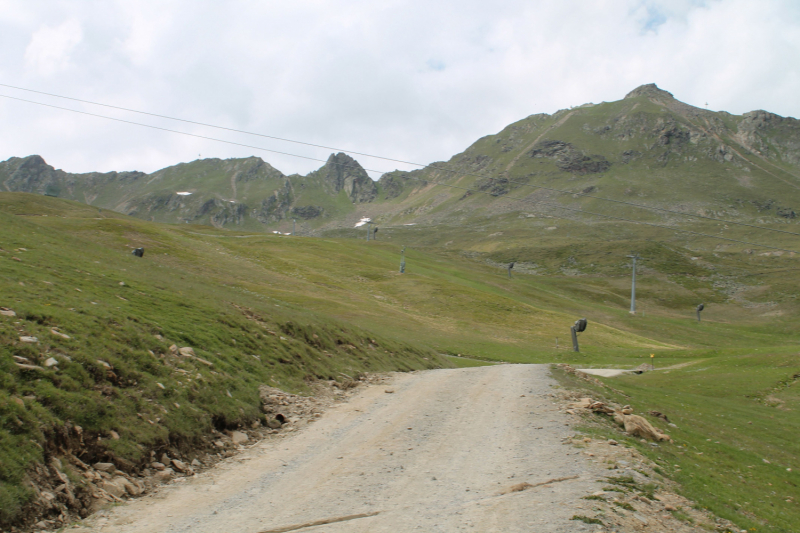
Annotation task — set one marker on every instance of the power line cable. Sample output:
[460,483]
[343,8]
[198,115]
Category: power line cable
[416,179]
[421,165]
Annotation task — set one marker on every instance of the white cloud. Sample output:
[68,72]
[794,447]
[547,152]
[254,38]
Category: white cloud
[51,47]
[407,79]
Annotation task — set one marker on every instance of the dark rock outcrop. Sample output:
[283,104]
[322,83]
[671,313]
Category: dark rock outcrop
[570,159]
[277,205]
[308,212]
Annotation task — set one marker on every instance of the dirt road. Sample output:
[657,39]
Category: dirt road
[433,456]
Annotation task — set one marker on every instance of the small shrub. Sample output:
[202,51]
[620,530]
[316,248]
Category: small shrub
[587,519]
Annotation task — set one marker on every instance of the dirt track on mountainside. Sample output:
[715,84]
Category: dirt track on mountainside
[438,454]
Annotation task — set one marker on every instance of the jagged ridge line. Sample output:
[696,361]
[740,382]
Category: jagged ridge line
[422,166]
[418,179]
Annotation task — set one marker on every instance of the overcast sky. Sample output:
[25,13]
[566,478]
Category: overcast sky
[411,80]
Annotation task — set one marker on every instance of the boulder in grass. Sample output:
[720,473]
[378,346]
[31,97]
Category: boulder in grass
[59,334]
[186,351]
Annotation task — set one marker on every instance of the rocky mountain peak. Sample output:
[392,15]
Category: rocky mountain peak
[28,174]
[649,90]
[343,172]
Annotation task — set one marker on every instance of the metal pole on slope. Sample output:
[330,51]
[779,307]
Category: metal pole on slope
[633,284]
[294,223]
[403,260]
[579,327]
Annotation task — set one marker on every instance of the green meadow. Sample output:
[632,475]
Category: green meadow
[284,311]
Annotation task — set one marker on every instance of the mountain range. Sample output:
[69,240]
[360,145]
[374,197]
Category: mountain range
[648,149]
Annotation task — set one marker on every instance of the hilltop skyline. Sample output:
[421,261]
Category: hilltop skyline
[403,80]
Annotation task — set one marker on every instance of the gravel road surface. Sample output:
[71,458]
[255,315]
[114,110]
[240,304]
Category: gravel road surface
[439,454]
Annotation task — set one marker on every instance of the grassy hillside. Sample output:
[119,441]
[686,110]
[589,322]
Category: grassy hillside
[108,318]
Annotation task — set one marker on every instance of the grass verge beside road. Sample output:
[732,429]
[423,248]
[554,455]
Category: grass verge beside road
[735,449]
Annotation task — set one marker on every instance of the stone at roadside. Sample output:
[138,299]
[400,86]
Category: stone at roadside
[180,466]
[5,311]
[670,508]
[115,486]
[114,435]
[134,488]
[238,437]
[165,459]
[106,365]
[173,349]
[158,466]
[164,475]
[50,362]
[636,426]
[105,467]
[196,463]
[612,442]
[583,403]
[158,337]
[186,351]
[389,391]
[29,339]
[274,423]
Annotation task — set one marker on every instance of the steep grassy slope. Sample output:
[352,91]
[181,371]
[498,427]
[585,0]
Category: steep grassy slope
[647,149]
[107,320]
